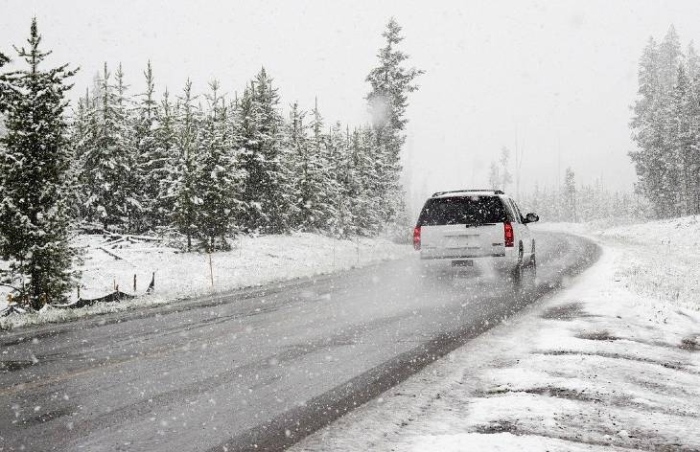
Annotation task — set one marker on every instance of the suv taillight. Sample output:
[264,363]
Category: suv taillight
[508,236]
[416,238]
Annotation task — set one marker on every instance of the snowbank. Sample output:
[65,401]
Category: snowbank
[662,258]
[253,261]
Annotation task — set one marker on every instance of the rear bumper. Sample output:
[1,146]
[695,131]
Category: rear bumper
[447,255]
[501,260]
[465,253]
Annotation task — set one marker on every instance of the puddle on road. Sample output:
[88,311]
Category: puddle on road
[601,335]
[13,366]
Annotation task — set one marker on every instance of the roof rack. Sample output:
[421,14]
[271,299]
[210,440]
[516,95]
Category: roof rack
[488,190]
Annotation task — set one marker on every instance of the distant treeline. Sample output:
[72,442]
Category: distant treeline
[573,203]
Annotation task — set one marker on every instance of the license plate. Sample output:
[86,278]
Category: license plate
[463,263]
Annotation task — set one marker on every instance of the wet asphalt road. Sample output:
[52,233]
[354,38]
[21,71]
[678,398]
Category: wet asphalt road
[254,369]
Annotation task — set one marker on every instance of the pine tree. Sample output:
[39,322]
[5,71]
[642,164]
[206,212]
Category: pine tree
[338,161]
[305,206]
[313,198]
[34,218]
[164,163]
[368,213]
[648,129]
[3,96]
[216,179]
[3,85]
[693,62]
[693,157]
[107,175]
[266,185]
[391,83]
[665,151]
[666,126]
[570,199]
[670,55]
[181,188]
[327,217]
[79,137]
[683,136]
[149,167]
[131,189]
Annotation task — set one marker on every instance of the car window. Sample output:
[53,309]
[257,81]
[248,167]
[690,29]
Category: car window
[517,211]
[510,211]
[462,210]
[514,216]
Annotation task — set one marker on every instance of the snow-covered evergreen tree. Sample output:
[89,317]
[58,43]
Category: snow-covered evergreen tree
[339,163]
[683,137]
[79,135]
[266,186]
[309,207]
[320,150]
[217,179]
[670,56]
[34,160]
[110,196]
[367,206]
[181,185]
[391,82]
[570,200]
[4,88]
[149,168]
[647,126]
[133,180]
[692,62]
[163,165]
[666,127]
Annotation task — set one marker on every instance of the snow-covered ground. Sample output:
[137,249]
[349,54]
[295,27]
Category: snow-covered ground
[252,261]
[610,363]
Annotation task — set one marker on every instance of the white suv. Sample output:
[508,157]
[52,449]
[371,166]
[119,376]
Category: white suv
[483,225]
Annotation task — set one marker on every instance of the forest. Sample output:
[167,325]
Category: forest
[204,167]
[666,127]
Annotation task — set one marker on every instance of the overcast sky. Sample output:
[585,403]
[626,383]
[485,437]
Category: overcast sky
[557,75]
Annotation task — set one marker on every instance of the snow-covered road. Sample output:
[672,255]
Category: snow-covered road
[611,363]
[256,366]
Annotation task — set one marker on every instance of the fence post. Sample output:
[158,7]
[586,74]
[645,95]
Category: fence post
[211,271]
[152,286]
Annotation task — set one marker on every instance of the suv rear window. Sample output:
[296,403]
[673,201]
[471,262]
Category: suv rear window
[462,210]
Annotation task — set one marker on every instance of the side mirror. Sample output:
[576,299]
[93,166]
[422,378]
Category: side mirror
[531,218]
